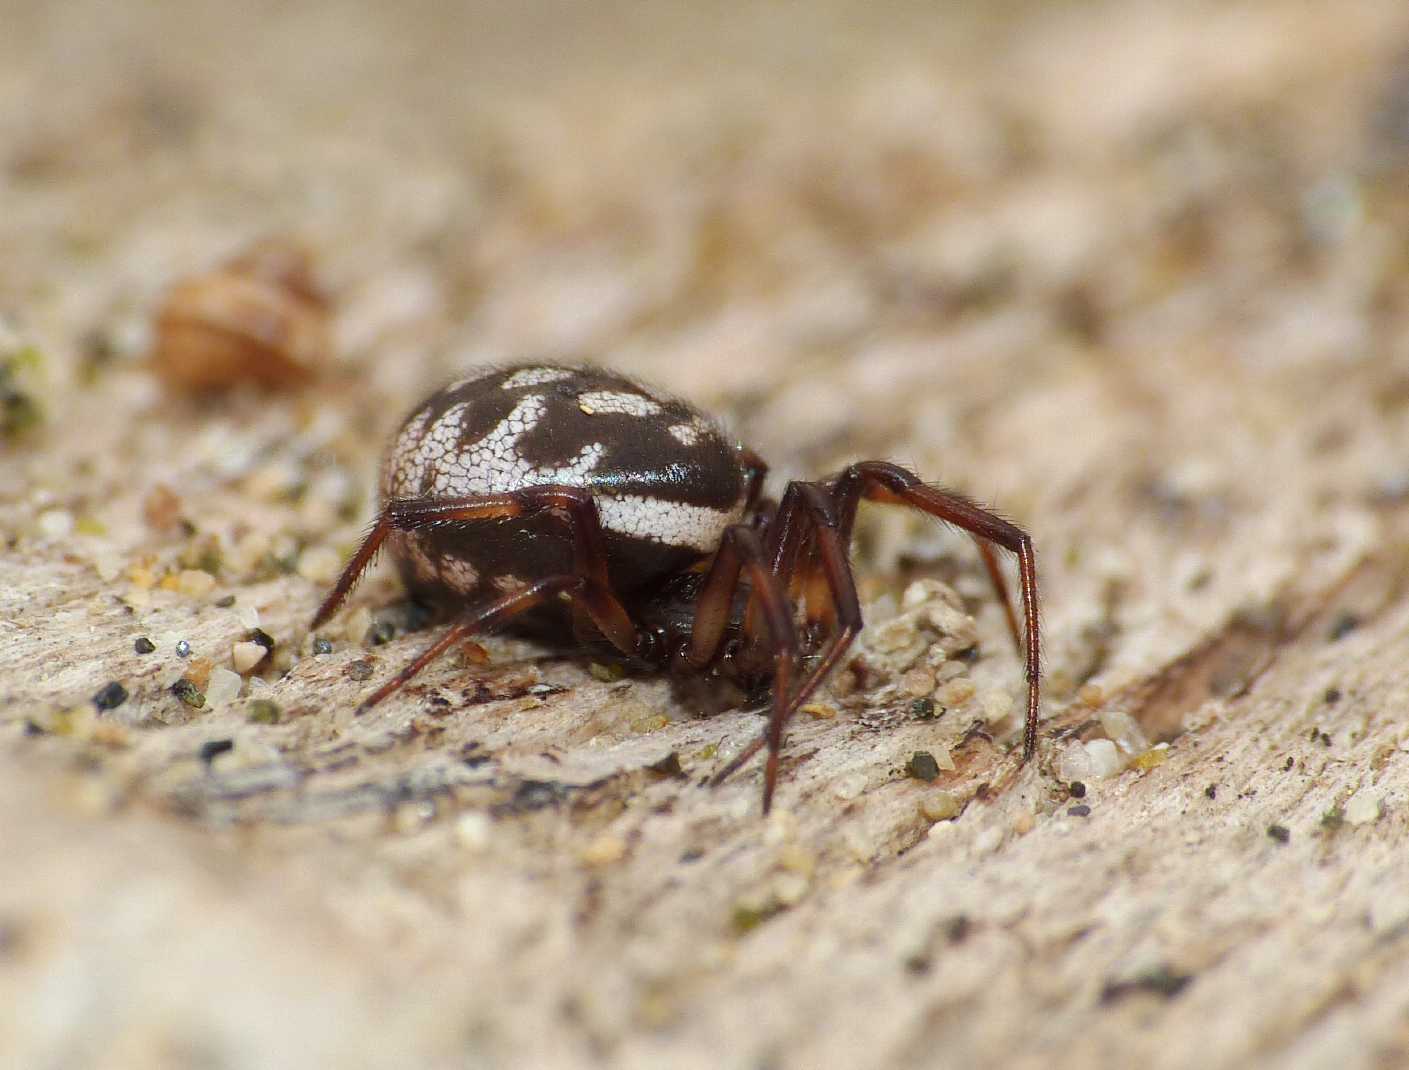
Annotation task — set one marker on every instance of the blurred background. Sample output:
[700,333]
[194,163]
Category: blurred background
[1137,273]
[1058,255]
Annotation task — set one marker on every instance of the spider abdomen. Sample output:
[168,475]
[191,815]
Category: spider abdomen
[664,478]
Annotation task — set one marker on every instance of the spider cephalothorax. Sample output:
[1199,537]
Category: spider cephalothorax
[575,503]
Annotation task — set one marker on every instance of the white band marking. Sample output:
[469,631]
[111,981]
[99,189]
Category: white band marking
[616,401]
[536,377]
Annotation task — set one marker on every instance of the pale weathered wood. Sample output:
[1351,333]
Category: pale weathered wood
[1134,272]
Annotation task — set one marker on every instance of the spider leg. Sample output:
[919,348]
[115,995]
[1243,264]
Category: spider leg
[741,550]
[482,618]
[884,482]
[755,472]
[408,514]
[809,541]
[574,504]
[588,587]
[352,572]
[1000,589]
[826,561]
[788,544]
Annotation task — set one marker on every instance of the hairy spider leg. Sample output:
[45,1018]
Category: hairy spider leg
[408,514]
[811,533]
[589,587]
[755,472]
[480,619]
[741,551]
[1000,589]
[881,481]
[826,552]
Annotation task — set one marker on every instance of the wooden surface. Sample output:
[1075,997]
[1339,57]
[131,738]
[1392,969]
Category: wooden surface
[1136,273]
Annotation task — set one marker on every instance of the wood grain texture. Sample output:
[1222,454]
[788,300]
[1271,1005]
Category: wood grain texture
[1134,273]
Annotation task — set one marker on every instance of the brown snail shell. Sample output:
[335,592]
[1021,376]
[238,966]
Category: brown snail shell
[259,318]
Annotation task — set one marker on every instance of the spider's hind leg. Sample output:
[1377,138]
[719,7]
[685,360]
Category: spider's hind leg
[588,586]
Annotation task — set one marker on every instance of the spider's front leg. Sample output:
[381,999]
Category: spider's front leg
[776,563]
[741,554]
[588,586]
[880,481]
[807,549]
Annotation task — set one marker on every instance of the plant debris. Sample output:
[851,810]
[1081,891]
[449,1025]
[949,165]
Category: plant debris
[922,766]
[669,766]
[20,411]
[188,693]
[1160,981]
[111,696]
[214,748]
[1343,626]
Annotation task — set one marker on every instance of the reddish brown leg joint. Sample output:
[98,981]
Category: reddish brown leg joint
[810,533]
[589,587]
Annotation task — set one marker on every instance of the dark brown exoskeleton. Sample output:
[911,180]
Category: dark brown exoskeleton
[575,503]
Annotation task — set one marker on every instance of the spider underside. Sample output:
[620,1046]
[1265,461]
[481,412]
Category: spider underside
[656,538]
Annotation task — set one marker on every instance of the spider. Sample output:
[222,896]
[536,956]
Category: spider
[573,503]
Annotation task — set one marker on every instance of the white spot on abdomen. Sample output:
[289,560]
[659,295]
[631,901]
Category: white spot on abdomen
[616,401]
[458,574]
[536,377]
[509,583]
[406,466]
[674,523]
[690,434]
[494,465]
